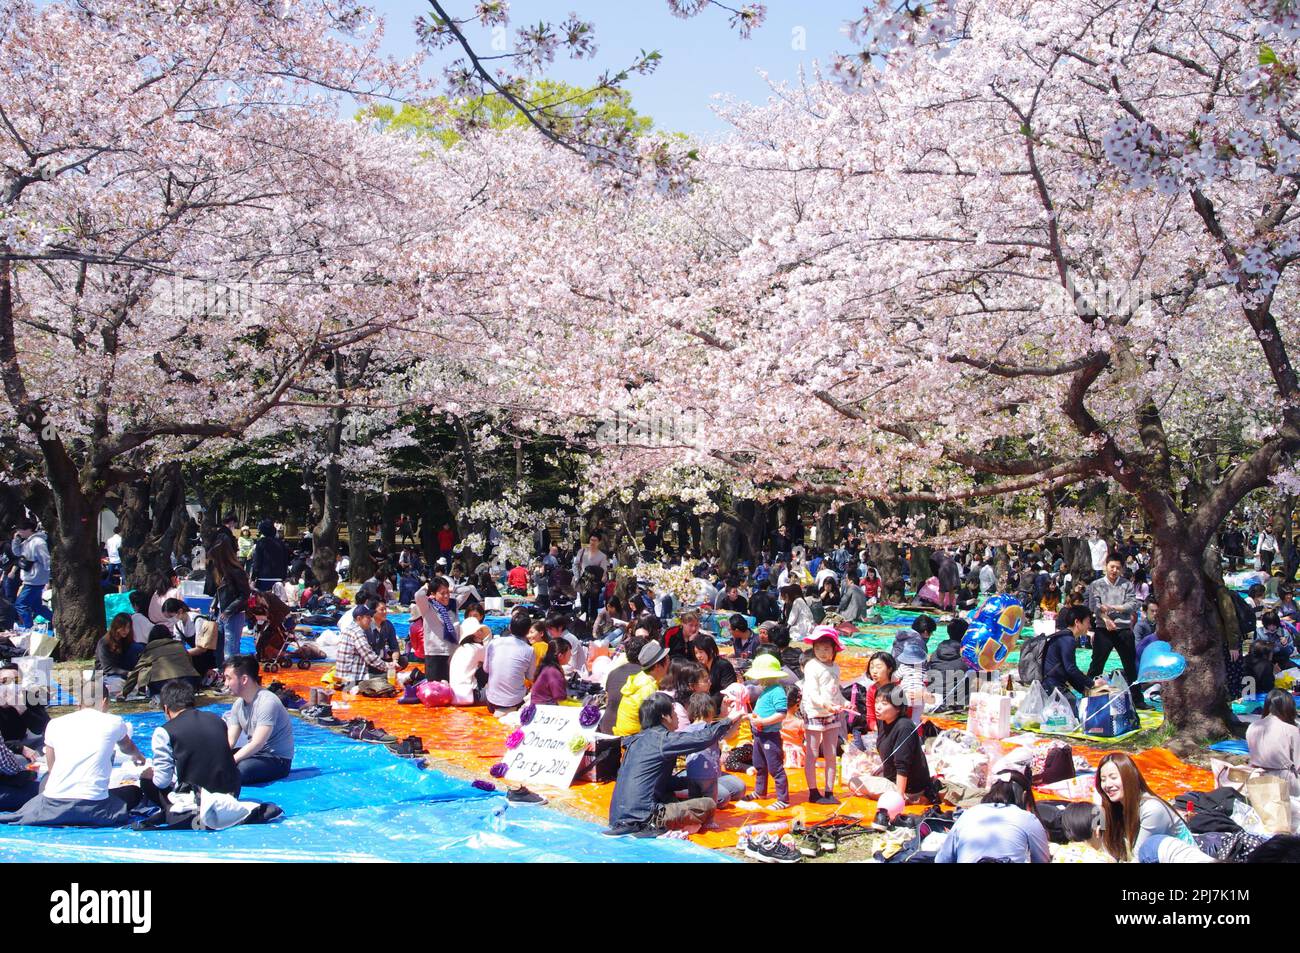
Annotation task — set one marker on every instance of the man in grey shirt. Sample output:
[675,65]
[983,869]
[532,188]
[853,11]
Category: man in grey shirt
[256,713]
[508,662]
[1114,609]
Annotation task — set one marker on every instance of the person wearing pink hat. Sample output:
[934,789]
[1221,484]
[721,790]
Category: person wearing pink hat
[823,704]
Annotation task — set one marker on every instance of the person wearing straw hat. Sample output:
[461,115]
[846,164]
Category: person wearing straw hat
[823,707]
[769,711]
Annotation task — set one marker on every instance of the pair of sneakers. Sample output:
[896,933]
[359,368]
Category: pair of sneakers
[361,729]
[769,849]
[777,805]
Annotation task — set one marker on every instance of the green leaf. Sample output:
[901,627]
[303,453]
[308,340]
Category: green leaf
[1266,55]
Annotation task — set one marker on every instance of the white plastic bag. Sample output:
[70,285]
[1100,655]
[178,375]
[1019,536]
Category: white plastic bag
[1030,712]
[1058,716]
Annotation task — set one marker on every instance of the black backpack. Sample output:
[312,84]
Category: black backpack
[1032,653]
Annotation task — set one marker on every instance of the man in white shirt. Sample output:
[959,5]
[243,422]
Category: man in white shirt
[113,547]
[79,754]
[1099,551]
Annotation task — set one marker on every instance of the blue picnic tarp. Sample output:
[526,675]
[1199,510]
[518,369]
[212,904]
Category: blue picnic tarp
[349,801]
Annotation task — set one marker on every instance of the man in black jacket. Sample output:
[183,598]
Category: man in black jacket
[1059,668]
[270,558]
[947,672]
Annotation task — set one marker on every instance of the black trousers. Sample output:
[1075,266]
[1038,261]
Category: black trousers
[1122,641]
[437,668]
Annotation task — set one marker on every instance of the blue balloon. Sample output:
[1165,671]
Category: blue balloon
[1160,663]
[1001,613]
[984,647]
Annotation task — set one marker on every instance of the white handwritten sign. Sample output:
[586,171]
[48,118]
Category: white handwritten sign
[546,756]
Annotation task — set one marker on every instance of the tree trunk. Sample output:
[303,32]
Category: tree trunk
[133,524]
[1196,703]
[75,570]
[885,558]
[363,565]
[167,521]
[919,566]
[388,526]
[1002,567]
[1079,560]
[325,535]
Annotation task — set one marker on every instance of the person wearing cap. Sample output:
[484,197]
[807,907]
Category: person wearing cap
[911,672]
[769,712]
[354,655]
[467,676]
[654,661]
[823,707]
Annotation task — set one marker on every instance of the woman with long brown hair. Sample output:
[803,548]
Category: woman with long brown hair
[228,585]
[117,651]
[1132,812]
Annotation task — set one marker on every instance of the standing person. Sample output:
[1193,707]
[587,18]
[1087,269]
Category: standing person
[229,529]
[432,602]
[823,707]
[228,584]
[33,555]
[1112,602]
[446,542]
[113,549]
[1099,551]
[589,568]
[270,558]
[769,712]
[258,714]
[1265,550]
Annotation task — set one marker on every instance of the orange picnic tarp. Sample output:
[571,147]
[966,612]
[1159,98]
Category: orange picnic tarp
[473,740]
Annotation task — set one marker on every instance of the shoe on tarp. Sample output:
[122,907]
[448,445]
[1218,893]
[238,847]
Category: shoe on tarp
[521,795]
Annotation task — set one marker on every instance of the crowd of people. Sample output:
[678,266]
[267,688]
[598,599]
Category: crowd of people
[677,674]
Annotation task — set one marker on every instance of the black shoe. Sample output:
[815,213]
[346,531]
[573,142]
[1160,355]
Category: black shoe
[521,795]
[621,830]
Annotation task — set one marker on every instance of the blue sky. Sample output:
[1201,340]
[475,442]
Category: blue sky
[701,56]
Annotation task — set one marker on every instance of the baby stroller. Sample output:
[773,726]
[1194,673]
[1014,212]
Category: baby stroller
[277,647]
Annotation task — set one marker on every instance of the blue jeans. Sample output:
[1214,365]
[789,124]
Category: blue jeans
[230,629]
[29,605]
[262,769]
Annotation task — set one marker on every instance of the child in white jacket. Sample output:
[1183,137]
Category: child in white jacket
[823,705]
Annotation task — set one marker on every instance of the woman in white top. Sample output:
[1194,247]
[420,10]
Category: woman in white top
[798,614]
[467,662]
[1274,740]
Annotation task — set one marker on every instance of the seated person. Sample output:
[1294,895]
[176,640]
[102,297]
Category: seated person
[1004,826]
[948,671]
[509,663]
[549,684]
[79,753]
[382,637]
[141,624]
[902,759]
[162,660]
[191,751]
[21,723]
[262,718]
[1274,740]
[704,774]
[116,653]
[644,799]
[18,785]
[558,627]
[745,643]
[467,676]
[355,658]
